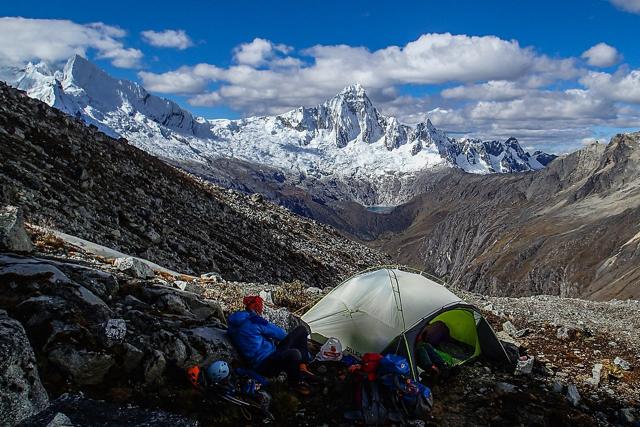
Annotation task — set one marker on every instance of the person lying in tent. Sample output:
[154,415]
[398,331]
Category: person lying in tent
[429,360]
[267,347]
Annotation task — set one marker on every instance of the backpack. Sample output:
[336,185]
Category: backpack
[369,401]
[410,397]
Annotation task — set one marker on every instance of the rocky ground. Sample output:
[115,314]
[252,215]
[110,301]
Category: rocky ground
[109,341]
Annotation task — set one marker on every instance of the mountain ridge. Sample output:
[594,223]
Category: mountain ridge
[344,137]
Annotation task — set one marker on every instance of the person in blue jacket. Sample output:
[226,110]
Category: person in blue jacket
[267,347]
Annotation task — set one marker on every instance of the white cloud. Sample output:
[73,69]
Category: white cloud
[53,40]
[622,86]
[168,38]
[268,78]
[602,55]
[184,80]
[258,52]
[632,6]
[494,90]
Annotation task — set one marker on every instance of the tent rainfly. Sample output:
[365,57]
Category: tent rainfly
[383,310]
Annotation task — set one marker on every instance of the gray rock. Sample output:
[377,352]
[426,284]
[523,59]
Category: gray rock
[627,415]
[134,267]
[13,237]
[623,364]
[557,387]
[525,367]
[313,290]
[573,395]
[60,420]
[504,388]
[84,367]
[180,284]
[132,357]
[115,330]
[172,303]
[154,367]
[564,333]
[82,411]
[21,392]
[211,275]
[154,236]
[596,375]
[514,332]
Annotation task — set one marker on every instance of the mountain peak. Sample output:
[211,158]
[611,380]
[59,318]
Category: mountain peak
[81,70]
[354,89]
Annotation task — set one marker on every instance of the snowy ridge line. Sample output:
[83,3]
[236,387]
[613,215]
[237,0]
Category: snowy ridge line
[344,137]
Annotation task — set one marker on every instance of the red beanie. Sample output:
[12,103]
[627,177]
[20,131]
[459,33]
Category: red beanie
[253,302]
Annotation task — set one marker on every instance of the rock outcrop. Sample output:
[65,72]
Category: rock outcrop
[13,237]
[21,392]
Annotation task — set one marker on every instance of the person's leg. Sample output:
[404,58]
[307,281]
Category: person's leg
[296,339]
[282,360]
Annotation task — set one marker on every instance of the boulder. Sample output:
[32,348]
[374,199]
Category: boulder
[573,395]
[84,367]
[60,420]
[132,357]
[114,331]
[154,367]
[13,237]
[77,410]
[525,367]
[21,392]
[134,267]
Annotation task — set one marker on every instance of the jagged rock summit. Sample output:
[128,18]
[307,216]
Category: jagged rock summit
[345,137]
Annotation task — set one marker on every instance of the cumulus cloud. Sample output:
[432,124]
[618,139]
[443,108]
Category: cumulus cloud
[494,90]
[268,77]
[632,6]
[177,39]
[259,52]
[622,86]
[184,80]
[53,40]
[602,55]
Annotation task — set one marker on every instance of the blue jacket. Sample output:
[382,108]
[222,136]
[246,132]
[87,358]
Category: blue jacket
[253,336]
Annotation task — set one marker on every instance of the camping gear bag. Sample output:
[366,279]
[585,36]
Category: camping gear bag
[370,362]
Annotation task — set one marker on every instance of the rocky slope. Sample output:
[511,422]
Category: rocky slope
[110,348]
[571,229]
[76,179]
[374,158]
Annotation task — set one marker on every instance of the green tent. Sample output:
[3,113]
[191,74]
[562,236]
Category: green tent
[384,310]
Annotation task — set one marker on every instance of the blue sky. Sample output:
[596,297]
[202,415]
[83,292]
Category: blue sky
[536,47]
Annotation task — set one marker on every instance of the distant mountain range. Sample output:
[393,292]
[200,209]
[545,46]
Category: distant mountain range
[345,140]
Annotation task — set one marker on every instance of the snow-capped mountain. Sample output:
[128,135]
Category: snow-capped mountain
[344,138]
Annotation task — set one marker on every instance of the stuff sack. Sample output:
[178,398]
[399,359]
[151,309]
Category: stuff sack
[370,362]
[393,364]
[331,351]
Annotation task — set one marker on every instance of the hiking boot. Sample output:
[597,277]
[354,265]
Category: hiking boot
[307,375]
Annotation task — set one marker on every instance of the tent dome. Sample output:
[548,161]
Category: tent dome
[386,309]
[383,303]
